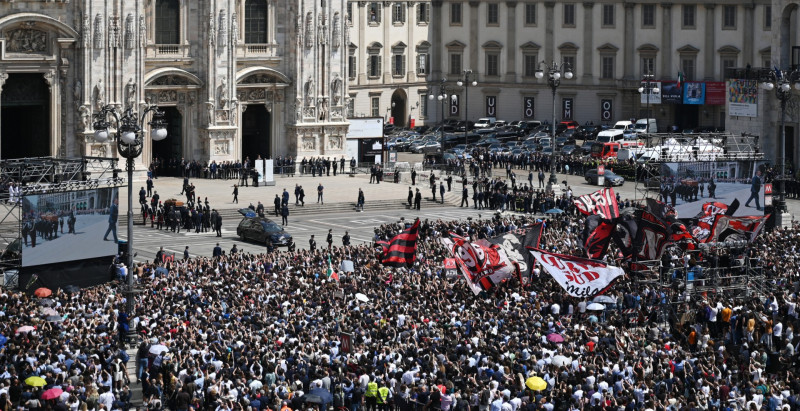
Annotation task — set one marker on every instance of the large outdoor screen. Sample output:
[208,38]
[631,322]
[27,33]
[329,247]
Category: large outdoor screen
[69,226]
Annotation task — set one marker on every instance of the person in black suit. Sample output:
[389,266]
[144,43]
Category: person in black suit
[217,223]
[417,200]
[312,243]
[329,239]
[217,251]
[113,214]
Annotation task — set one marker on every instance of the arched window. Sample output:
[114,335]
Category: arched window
[168,22]
[255,21]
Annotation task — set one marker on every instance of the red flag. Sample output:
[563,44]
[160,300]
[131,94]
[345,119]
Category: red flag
[597,235]
[741,228]
[705,219]
[651,238]
[482,264]
[401,251]
[601,202]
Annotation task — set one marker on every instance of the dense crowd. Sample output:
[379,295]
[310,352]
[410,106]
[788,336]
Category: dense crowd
[243,331]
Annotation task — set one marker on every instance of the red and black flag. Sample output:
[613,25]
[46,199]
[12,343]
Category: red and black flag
[401,251]
[705,219]
[661,210]
[602,202]
[744,228]
[652,237]
[681,236]
[625,235]
[597,235]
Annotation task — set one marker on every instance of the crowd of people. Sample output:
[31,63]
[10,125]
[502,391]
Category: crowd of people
[242,331]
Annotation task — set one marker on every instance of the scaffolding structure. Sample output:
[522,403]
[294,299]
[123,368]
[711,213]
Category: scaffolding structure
[707,155]
[42,175]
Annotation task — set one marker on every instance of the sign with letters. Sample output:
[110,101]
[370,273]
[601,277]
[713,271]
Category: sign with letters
[566,109]
[491,106]
[579,277]
[768,194]
[454,100]
[607,109]
[527,108]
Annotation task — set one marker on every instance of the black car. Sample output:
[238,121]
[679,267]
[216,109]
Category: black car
[568,150]
[611,179]
[262,230]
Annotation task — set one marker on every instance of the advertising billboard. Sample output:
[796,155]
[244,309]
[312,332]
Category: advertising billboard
[743,98]
[68,226]
[715,93]
[694,92]
[671,93]
[647,92]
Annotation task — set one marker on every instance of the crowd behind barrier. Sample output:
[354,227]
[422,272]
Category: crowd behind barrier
[243,331]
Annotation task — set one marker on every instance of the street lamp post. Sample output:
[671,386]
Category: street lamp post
[781,81]
[128,137]
[465,82]
[649,86]
[442,97]
[554,72]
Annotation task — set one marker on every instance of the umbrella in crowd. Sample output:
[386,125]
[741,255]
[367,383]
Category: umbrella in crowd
[554,211]
[556,338]
[595,307]
[318,396]
[25,329]
[362,297]
[35,381]
[156,349]
[560,360]
[49,311]
[536,384]
[46,302]
[606,299]
[43,292]
[52,393]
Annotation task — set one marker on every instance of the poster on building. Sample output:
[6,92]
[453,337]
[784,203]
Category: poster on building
[607,109]
[743,98]
[648,95]
[454,105]
[671,93]
[694,92]
[491,106]
[566,109]
[527,108]
[715,93]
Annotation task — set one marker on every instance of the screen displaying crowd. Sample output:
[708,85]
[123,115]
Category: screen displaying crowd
[244,331]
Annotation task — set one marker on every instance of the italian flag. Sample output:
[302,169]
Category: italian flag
[680,80]
[330,272]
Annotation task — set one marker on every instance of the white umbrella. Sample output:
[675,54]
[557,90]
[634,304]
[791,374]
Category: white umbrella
[560,361]
[362,297]
[595,307]
[255,385]
[156,349]
[605,299]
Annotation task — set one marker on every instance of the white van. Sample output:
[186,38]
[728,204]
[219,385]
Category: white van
[645,125]
[485,122]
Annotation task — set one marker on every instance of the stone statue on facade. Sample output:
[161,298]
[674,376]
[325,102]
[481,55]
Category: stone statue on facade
[76,92]
[212,33]
[336,90]
[142,32]
[130,94]
[84,115]
[99,96]
[130,39]
[308,92]
[97,36]
[210,107]
[223,93]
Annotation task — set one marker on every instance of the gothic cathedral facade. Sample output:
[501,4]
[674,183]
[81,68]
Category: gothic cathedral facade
[235,78]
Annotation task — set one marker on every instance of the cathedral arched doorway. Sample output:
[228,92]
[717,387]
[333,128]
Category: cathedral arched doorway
[399,101]
[25,105]
[170,150]
[256,136]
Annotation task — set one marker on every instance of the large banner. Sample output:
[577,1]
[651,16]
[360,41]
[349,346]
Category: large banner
[715,93]
[671,93]
[514,243]
[580,277]
[483,265]
[743,98]
[654,98]
[602,202]
[694,92]
[75,225]
[736,228]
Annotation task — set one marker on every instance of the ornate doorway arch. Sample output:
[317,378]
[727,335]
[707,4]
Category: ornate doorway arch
[399,108]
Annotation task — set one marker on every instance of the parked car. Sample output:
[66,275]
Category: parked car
[485,122]
[261,230]
[611,179]
[586,147]
[569,124]
[568,150]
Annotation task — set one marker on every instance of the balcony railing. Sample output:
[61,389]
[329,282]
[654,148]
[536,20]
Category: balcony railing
[170,51]
[259,50]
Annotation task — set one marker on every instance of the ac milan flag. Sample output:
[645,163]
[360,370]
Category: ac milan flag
[601,202]
[651,238]
[514,243]
[682,237]
[482,264]
[597,235]
[705,219]
[401,251]
[661,210]
[625,235]
[736,228]
[580,277]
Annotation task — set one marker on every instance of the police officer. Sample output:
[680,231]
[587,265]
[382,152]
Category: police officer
[465,197]
[371,396]
[217,251]
[329,239]
[312,244]
[346,238]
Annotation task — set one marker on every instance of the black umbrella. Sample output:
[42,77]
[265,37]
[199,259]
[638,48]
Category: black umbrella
[71,289]
[54,318]
[46,302]
[318,396]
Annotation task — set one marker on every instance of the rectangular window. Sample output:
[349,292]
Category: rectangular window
[455,13]
[492,64]
[687,66]
[374,66]
[729,17]
[492,14]
[727,63]
[375,104]
[398,65]
[607,69]
[530,14]
[768,17]
[569,62]
[608,15]
[374,13]
[399,13]
[351,107]
[531,64]
[422,64]
[569,15]
[648,15]
[767,62]
[423,13]
[351,67]
[167,22]
[455,63]
[350,12]
[648,65]
[688,16]
[423,105]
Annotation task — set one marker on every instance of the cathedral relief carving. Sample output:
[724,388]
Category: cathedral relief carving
[337,31]
[130,39]
[335,142]
[26,40]
[258,79]
[171,81]
[98,31]
[221,148]
[309,30]
[309,143]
